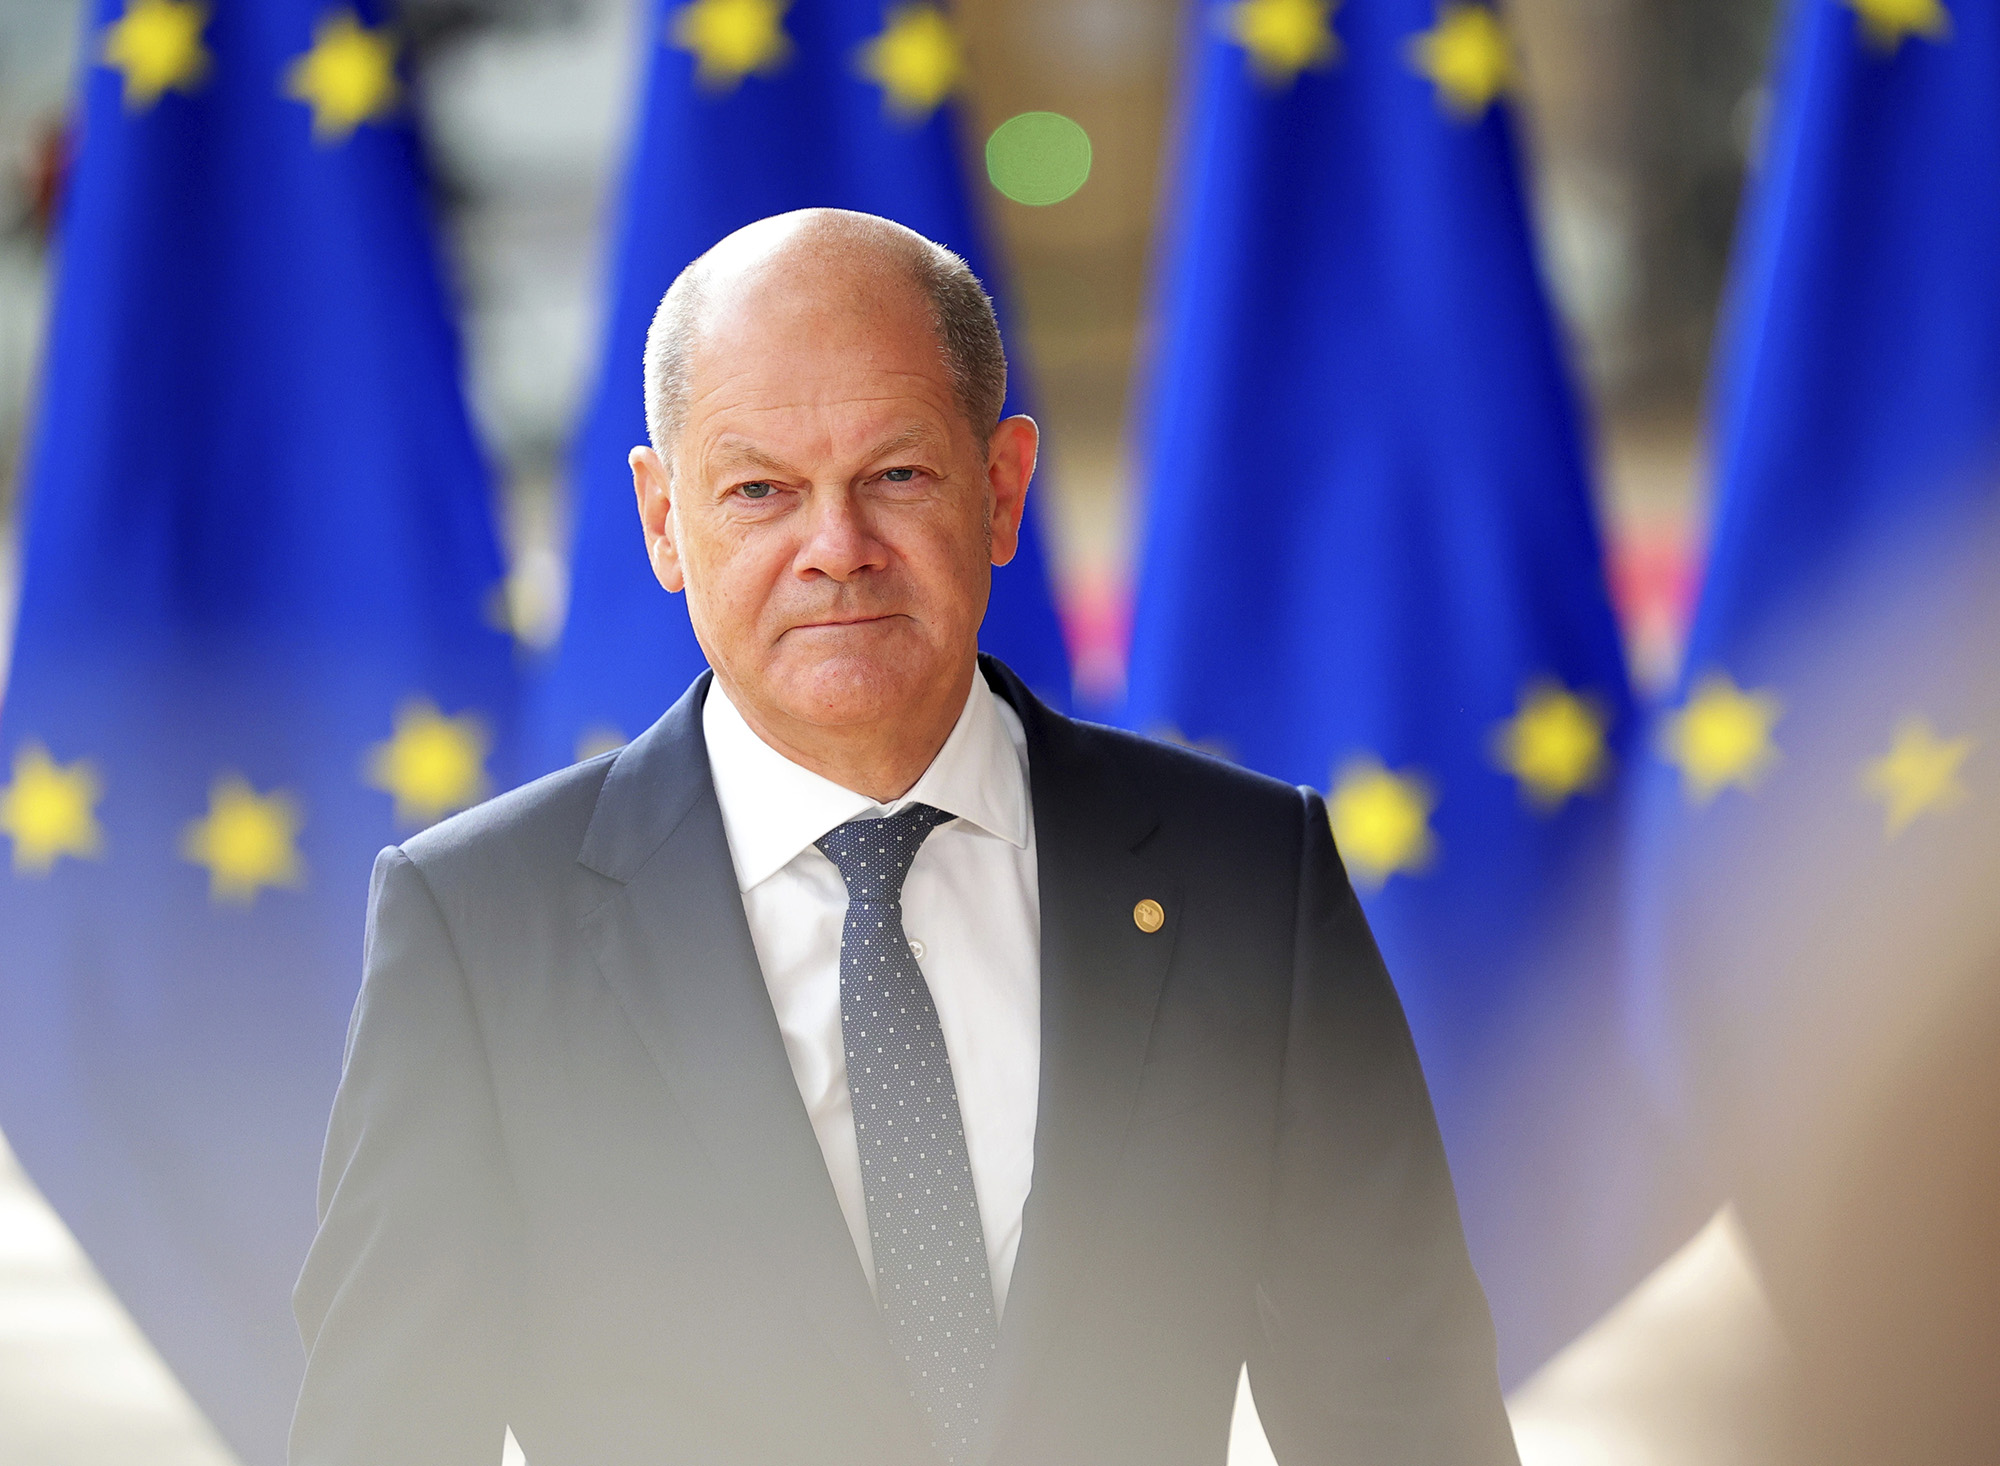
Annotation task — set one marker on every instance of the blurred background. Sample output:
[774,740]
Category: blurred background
[1640,120]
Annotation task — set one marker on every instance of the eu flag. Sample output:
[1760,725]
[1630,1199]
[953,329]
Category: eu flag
[1822,785]
[1371,566]
[753,108]
[256,643]
[1859,385]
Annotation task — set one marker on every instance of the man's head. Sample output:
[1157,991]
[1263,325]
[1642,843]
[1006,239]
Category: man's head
[828,479]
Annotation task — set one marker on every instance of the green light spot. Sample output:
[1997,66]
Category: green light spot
[1038,157]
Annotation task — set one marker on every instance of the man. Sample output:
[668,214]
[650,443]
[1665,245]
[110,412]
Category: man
[867,1064]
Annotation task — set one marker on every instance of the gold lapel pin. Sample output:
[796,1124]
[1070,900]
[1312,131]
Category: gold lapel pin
[1149,915]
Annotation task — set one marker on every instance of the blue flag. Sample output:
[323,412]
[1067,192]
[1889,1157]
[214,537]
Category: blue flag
[1371,567]
[1826,765]
[1859,384]
[256,643]
[757,107]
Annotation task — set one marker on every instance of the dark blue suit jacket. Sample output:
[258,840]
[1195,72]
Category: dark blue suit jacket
[570,1184]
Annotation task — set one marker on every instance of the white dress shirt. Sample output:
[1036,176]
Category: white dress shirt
[973,915]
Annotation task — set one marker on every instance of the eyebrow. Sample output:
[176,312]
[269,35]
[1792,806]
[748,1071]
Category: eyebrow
[916,435]
[733,452]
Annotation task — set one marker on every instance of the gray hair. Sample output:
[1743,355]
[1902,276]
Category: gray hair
[968,332]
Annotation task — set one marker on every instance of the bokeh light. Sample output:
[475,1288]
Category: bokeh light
[1038,157]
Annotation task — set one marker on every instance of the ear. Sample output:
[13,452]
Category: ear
[653,485]
[1010,464]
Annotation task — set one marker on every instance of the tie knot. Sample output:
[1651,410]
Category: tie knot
[873,856]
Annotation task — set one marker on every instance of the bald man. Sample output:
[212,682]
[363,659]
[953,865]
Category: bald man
[868,1066]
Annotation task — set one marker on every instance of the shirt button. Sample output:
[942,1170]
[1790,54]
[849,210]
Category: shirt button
[916,949]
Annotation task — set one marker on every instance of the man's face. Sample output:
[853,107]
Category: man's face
[829,511]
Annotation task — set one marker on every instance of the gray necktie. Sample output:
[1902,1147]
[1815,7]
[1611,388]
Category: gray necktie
[931,1281]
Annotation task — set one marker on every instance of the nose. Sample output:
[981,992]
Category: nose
[839,541]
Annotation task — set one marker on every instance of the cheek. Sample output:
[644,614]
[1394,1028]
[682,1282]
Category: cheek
[733,565]
[947,555]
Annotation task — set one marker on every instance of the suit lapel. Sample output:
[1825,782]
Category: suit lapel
[1101,981]
[675,947]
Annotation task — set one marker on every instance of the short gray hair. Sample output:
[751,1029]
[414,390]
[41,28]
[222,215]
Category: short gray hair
[968,334]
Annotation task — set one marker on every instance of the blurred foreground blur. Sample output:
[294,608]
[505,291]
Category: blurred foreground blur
[79,1384]
[1689,1371]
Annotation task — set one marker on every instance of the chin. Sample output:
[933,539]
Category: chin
[838,688]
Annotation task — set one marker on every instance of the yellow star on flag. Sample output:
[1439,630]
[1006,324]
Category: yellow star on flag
[1554,744]
[1721,737]
[1887,22]
[1381,820]
[157,46]
[50,810]
[730,39]
[1467,54]
[246,841]
[1283,37]
[1917,775]
[347,78]
[916,61]
[432,765]
[598,738]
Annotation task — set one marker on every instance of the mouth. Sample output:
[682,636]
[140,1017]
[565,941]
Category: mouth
[838,623]
[841,627]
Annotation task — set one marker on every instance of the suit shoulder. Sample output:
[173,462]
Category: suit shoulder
[538,823]
[1189,781]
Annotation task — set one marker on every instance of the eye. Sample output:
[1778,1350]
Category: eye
[900,475]
[757,490]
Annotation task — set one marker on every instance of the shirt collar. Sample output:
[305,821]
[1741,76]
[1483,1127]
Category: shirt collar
[772,808]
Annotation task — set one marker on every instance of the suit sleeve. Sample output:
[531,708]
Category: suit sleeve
[1373,1344]
[407,1304]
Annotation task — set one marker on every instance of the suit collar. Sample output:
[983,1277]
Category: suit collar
[1065,763]
[773,808]
[660,775]
[653,783]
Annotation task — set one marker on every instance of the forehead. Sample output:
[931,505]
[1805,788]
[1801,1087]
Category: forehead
[798,349]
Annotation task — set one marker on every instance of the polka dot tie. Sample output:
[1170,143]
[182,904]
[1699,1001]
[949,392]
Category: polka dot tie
[923,1219]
